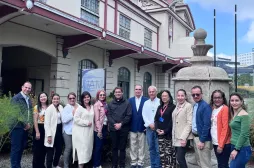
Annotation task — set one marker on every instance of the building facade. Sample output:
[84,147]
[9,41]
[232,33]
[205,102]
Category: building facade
[49,42]
[246,59]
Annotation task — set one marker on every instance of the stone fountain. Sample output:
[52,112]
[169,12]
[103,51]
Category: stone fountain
[201,72]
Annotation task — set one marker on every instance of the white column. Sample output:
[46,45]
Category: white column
[60,72]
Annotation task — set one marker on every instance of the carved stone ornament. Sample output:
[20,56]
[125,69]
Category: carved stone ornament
[146,3]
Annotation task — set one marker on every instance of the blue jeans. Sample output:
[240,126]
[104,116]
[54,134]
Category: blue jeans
[98,147]
[223,157]
[242,157]
[18,143]
[152,140]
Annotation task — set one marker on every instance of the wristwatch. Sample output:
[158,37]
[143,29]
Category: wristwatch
[236,149]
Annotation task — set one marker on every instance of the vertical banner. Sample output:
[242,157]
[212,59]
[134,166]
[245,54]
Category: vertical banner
[93,80]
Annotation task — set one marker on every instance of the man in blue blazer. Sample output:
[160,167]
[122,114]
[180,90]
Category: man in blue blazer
[19,133]
[201,125]
[137,135]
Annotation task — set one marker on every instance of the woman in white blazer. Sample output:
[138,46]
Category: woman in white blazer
[182,123]
[53,132]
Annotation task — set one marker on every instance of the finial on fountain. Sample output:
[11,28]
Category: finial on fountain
[200,48]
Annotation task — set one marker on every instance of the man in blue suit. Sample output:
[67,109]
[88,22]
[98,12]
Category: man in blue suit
[201,125]
[137,135]
[19,133]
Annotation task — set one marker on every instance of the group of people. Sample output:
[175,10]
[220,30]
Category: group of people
[168,128]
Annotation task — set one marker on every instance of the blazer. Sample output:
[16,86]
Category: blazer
[203,121]
[137,122]
[224,132]
[50,123]
[99,116]
[182,123]
[25,112]
[167,124]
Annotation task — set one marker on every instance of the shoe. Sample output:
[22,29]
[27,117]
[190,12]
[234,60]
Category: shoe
[133,166]
[114,166]
[139,166]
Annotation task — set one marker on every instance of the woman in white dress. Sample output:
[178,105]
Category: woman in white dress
[82,131]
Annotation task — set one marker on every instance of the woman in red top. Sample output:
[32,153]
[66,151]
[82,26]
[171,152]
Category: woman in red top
[220,131]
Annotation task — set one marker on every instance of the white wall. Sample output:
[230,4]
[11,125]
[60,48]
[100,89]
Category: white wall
[72,7]
[13,34]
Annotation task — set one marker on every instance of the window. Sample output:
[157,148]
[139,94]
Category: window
[148,38]
[146,83]
[90,11]
[83,64]
[124,81]
[125,27]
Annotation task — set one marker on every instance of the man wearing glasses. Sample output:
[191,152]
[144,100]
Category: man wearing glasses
[201,125]
[137,135]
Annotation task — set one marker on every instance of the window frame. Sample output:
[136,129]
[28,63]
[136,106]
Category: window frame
[85,10]
[83,64]
[149,39]
[124,81]
[123,27]
[145,83]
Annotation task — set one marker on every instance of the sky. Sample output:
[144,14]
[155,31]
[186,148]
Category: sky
[202,11]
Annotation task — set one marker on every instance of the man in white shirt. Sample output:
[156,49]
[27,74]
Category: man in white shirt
[148,113]
[137,135]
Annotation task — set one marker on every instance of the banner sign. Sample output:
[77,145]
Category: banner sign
[93,80]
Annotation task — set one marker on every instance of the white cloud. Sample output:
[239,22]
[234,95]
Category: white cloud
[220,55]
[249,36]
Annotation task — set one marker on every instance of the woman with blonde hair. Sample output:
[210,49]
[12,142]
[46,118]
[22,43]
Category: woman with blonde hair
[182,123]
[100,126]
[53,132]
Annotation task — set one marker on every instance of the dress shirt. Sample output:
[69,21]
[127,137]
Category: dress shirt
[149,111]
[194,124]
[137,101]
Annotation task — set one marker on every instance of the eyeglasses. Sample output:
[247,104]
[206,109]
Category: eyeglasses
[195,95]
[72,98]
[102,95]
[137,89]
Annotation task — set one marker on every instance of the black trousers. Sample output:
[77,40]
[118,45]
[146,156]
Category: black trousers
[54,154]
[180,155]
[119,142]
[39,150]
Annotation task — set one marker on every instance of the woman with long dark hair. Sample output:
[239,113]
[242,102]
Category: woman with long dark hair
[240,128]
[100,126]
[53,132]
[82,131]
[220,131]
[39,150]
[163,127]
[182,122]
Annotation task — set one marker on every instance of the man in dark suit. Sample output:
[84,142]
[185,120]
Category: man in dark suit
[137,136]
[201,125]
[20,129]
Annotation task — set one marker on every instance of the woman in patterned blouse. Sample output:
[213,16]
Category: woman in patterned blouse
[39,150]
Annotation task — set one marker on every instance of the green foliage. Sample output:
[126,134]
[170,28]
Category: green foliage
[250,109]
[159,94]
[245,79]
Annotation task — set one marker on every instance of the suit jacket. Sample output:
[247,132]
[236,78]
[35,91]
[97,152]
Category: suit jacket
[137,122]
[182,123]
[25,112]
[203,121]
